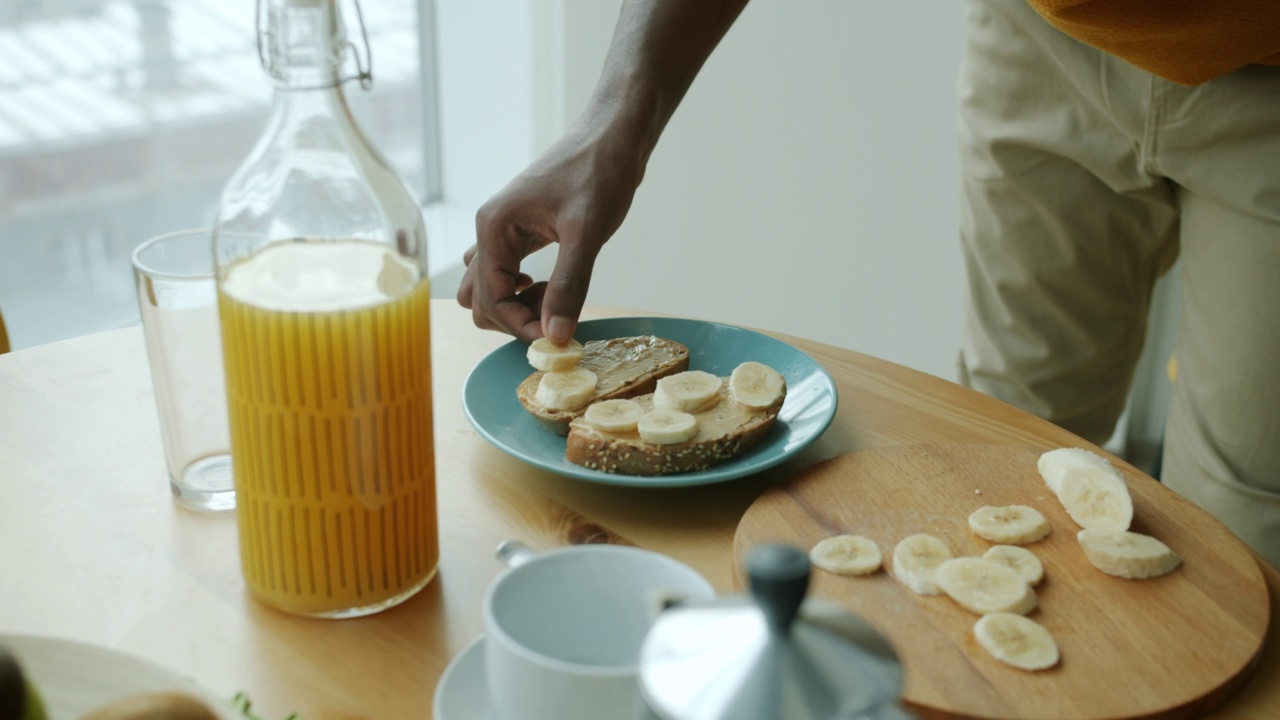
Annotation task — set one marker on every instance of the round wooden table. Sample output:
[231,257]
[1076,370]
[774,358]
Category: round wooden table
[92,547]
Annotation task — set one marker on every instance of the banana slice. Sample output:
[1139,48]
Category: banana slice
[565,389]
[546,355]
[1093,492]
[615,416]
[755,385]
[1127,554]
[846,555]
[667,427]
[1055,464]
[982,586]
[1019,559]
[916,559]
[1009,524]
[689,391]
[1016,640]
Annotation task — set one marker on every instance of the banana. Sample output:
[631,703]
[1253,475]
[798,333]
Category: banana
[755,385]
[1093,492]
[1095,496]
[546,355]
[846,555]
[1055,464]
[915,560]
[1009,524]
[1016,640]
[615,416]
[667,427]
[982,587]
[565,389]
[690,391]
[1127,554]
[1019,559]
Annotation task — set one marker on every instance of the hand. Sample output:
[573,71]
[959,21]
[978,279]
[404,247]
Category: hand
[576,195]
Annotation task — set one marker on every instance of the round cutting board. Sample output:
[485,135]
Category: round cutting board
[1167,647]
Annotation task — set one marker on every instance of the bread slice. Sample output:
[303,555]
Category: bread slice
[624,367]
[725,431]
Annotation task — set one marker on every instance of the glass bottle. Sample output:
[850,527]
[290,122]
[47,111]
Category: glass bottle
[323,299]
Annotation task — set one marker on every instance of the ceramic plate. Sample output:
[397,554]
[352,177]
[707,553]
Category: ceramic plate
[74,678]
[463,691]
[489,398]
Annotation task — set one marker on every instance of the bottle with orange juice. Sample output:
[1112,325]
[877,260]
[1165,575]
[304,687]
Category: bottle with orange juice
[324,306]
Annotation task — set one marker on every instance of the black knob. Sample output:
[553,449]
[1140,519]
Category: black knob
[779,578]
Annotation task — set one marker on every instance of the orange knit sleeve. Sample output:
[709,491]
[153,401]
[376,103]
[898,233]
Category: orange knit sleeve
[1186,41]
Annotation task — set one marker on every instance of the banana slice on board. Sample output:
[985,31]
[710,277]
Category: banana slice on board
[615,416]
[667,427]
[846,555]
[982,586]
[546,355]
[1016,640]
[689,391]
[1008,524]
[916,559]
[1093,492]
[755,385]
[1019,559]
[1128,554]
[565,389]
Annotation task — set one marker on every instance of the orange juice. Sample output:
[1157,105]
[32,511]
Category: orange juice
[328,361]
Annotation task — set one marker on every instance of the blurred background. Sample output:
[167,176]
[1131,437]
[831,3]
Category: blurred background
[808,183]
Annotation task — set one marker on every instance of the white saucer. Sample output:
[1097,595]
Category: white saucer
[463,691]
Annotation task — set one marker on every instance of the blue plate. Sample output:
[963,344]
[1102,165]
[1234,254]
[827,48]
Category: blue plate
[489,398]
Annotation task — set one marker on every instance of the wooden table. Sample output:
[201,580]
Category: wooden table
[93,548]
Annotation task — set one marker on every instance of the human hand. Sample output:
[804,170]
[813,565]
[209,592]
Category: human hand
[576,195]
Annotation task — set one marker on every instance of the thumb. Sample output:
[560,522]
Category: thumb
[567,291]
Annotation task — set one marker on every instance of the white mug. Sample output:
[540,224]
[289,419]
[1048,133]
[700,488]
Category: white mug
[563,629]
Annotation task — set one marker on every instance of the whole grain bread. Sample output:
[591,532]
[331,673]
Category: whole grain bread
[725,431]
[624,367]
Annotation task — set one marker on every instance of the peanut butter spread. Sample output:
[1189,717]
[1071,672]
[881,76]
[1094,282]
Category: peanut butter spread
[621,361]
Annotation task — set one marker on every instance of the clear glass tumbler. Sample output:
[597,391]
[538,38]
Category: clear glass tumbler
[178,298]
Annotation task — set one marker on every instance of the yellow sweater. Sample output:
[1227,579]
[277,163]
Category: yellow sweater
[1186,41]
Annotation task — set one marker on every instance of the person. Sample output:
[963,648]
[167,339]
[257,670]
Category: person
[1100,140]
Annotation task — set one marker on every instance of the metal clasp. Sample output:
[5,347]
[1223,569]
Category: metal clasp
[364,67]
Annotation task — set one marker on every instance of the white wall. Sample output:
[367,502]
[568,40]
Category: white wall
[807,184]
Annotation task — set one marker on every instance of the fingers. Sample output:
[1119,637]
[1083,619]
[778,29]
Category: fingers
[500,296]
[566,291]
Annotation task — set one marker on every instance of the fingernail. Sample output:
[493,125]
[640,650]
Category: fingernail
[560,328]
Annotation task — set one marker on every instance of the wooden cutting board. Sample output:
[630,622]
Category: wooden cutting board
[1168,647]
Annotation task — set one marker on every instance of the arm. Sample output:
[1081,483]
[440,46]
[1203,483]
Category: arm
[578,193]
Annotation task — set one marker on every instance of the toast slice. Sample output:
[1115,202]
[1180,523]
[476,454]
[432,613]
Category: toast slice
[725,431]
[624,368]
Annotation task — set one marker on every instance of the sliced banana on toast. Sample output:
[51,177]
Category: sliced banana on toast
[667,427]
[1016,640]
[1008,524]
[1091,490]
[566,389]
[690,391]
[618,415]
[546,355]
[1127,554]
[755,385]
[982,586]
[846,555]
[915,562]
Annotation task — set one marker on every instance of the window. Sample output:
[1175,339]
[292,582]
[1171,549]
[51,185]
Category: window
[122,119]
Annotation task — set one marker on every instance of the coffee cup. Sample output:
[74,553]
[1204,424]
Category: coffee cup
[563,629]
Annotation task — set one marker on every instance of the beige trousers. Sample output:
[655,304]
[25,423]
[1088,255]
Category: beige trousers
[1085,178]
